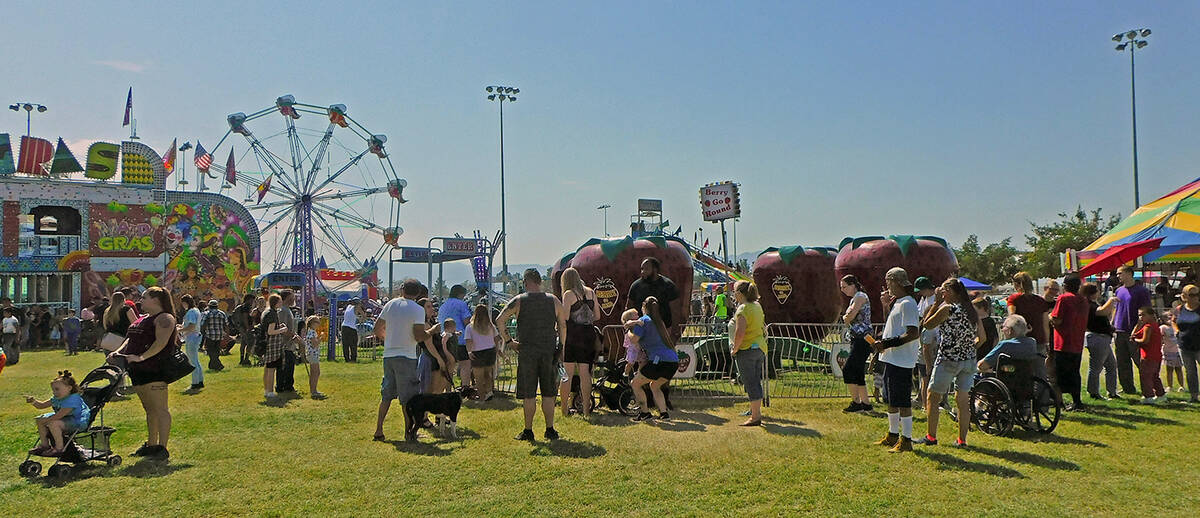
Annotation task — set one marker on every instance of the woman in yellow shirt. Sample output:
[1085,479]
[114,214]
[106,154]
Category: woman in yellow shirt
[749,346]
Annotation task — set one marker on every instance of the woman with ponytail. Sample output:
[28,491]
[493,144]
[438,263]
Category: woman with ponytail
[661,360]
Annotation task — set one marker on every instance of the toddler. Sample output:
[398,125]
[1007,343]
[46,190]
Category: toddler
[70,415]
[71,327]
[634,355]
[1149,339]
[312,353]
[1170,348]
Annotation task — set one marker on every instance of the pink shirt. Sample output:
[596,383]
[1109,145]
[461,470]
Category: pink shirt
[480,341]
[1169,344]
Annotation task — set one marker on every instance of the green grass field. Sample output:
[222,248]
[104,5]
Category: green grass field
[235,455]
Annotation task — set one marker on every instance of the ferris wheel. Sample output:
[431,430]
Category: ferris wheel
[322,187]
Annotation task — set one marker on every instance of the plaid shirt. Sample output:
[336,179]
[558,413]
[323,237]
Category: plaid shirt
[215,325]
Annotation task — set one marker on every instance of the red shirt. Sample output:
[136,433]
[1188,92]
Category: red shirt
[1033,308]
[1152,348]
[1068,334]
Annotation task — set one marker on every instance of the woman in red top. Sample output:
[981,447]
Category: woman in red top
[1032,307]
[1149,340]
[149,341]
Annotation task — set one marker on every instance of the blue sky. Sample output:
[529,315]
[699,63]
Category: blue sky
[846,118]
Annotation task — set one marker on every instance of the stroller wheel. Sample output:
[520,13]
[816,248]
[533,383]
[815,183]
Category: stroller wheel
[625,402]
[114,461]
[60,471]
[30,468]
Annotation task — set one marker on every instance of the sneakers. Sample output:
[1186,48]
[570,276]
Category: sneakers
[159,453]
[317,395]
[270,395]
[905,444]
[1149,401]
[663,416]
[889,440]
[959,443]
[1098,397]
[926,441]
[143,450]
[525,435]
[858,407]
[551,434]
[642,416]
[852,408]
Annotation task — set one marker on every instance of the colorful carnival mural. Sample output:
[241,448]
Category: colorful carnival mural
[67,242]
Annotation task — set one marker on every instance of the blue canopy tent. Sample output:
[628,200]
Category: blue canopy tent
[971,285]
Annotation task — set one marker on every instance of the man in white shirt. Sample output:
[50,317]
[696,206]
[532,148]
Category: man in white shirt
[898,351]
[350,331]
[401,325]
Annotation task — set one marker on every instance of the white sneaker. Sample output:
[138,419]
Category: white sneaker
[270,395]
[1178,389]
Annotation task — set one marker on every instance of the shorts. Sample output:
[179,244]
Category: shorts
[460,353]
[659,370]
[750,365]
[897,391]
[274,364]
[855,371]
[484,358]
[534,371]
[1173,359]
[400,379]
[313,356]
[146,377]
[960,373]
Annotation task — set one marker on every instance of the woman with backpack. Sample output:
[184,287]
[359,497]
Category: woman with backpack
[579,353]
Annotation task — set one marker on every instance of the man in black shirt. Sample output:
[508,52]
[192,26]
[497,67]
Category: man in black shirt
[653,284]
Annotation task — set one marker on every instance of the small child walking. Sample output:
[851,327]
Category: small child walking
[72,326]
[1171,356]
[1148,336]
[70,414]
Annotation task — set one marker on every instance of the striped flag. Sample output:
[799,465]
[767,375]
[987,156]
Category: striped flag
[169,158]
[230,172]
[263,188]
[203,158]
[128,107]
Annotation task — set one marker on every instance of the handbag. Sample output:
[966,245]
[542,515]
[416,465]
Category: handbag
[175,366]
[111,341]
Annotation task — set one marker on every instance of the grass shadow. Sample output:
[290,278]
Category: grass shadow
[700,418]
[1032,459]
[1097,421]
[677,426]
[609,419]
[790,430]
[1054,439]
[149,468]
[950,462]
[421,448]
[498,402]
[1130,415]
[281,400]
[569,449]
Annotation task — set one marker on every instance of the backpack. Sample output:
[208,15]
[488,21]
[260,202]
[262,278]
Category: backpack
[583,315]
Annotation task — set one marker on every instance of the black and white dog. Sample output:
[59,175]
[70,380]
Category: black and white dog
[444,406]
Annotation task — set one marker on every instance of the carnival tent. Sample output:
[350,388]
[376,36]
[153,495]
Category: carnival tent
[1174,217]
[973,285]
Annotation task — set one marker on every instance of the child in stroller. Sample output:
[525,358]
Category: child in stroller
[70,414]
[76,405]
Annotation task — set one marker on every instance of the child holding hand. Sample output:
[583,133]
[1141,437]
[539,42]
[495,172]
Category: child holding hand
[1149,340]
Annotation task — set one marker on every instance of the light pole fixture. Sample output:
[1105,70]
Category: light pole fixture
[28,107]
[605,208]
[181,180]
[502,94]
[1132,40]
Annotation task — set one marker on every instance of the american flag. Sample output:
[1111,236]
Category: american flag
[203,158]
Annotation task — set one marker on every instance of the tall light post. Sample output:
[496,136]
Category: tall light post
[605,208]
[1133,39]
[29,107]
[500,94]
[181,180]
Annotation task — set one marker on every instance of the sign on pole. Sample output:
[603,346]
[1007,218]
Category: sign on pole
[646,205]
[467,247]
[720,201]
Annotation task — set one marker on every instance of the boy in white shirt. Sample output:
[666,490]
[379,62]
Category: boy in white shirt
[898,352]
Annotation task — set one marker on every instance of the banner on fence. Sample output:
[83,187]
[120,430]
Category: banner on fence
[687,361]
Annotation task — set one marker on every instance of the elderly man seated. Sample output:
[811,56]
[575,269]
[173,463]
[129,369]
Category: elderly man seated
[1015,344]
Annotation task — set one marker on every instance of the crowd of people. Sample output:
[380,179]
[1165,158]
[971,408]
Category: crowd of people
[937,339]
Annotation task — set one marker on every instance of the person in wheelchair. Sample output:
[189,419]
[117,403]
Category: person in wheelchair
[1016,344]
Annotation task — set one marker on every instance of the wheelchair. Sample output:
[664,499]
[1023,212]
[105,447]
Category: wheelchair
[1014,395]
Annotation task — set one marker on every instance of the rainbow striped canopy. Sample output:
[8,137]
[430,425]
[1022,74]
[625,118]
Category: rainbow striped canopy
[1174,217]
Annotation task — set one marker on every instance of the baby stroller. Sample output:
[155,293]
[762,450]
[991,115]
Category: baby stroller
[610,388]
[92,444]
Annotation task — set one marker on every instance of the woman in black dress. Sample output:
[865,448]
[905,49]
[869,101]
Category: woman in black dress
[580,350]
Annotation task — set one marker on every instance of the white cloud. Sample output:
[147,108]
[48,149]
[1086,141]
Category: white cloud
[126,66]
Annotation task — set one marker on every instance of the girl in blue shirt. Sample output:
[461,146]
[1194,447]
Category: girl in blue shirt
[70,414]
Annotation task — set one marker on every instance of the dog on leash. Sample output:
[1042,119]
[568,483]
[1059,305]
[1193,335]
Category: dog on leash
[444,406]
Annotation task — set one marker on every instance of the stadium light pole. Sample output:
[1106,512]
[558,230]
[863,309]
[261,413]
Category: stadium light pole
[29,107]
[181,180]
[501,94]
[1133,39]
[605,208]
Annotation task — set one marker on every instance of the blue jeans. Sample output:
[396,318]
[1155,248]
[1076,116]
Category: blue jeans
[193,354]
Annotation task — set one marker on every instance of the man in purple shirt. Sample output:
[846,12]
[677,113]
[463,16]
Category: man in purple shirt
[1131,297]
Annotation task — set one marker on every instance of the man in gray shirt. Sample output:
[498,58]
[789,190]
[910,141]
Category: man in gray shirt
[540,321]
[285,378]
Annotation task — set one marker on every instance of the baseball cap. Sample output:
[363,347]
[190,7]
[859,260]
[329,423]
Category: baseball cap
[923,283]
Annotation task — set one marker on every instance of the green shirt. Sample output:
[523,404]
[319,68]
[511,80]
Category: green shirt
[722,312]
